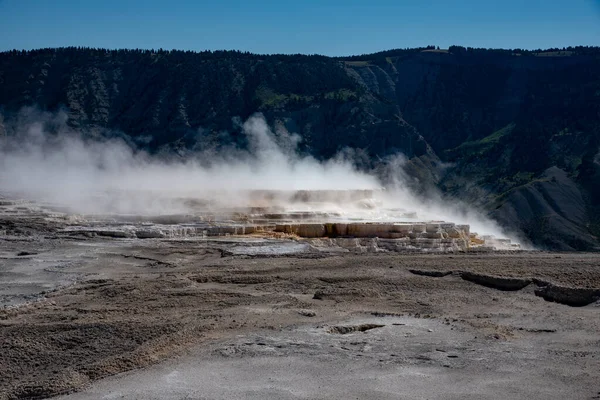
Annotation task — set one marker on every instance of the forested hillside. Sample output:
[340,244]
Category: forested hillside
[514,132]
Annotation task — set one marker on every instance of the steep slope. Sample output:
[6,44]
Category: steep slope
[502,120]
[189,99]
[552,209]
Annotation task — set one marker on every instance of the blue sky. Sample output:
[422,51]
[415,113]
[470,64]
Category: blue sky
[330,27]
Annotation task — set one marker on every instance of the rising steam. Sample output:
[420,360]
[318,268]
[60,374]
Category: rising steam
[100,175]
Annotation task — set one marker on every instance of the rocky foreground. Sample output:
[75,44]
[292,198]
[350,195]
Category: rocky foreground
[271,317]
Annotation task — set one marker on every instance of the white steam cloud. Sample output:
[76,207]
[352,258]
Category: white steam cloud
[67,169]
[100,176]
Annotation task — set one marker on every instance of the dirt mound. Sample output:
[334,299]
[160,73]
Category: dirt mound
[63,357]
[496,282]
[575,297]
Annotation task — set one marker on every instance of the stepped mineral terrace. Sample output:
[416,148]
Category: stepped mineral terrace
[352,220]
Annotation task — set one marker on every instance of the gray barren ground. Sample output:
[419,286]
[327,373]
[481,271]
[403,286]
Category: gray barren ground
[191,319]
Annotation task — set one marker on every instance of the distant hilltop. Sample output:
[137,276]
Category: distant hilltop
[554,51]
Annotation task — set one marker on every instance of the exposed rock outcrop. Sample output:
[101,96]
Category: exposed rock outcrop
[496,282]
[575,297]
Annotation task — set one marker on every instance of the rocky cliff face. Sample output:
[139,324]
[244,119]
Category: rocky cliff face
[516,133]
[189,98]
[520,130]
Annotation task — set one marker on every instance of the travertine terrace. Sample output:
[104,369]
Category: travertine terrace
[345,219]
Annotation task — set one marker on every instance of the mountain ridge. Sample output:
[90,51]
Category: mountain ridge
[467,119]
